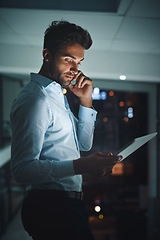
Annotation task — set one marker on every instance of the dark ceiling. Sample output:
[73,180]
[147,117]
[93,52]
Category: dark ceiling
[71,5]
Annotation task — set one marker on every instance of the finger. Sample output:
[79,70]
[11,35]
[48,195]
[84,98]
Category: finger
[81,77]
[80,80]
[106,172]
[117,160]
[86,81]
[70,86]
[77,75]
[114,158]
[110,161]
[100,154]
[110,154]
[120,157]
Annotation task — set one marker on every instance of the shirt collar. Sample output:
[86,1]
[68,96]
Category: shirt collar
[44,81]
[49,85]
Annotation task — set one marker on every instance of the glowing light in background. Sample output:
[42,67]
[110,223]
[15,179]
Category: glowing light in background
[96,90]
[103,95]
[121,104]
[126,119]
[130,112]
[97,208]
[101,216]
[118,169]
[97,95]
[111,93]
[64,91]
[105,119]
[122,77]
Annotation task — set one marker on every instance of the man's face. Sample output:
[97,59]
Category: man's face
[65,64]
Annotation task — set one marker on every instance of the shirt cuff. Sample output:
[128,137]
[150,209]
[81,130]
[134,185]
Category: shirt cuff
[64,169]
[87,114]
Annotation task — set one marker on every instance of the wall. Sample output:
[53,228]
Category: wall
[11,87]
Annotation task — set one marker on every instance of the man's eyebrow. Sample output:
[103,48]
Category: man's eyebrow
[68,55]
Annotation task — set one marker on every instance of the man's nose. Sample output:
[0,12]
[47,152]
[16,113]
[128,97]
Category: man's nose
[74,68]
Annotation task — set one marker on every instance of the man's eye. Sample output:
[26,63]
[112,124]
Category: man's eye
[68,60]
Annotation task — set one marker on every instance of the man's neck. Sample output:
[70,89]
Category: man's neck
[44,72]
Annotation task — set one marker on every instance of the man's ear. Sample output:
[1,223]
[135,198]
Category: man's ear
[46,55]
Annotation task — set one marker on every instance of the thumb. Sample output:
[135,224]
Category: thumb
[71,86]
[110,154]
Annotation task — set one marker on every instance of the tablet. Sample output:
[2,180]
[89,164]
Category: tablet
[134,145]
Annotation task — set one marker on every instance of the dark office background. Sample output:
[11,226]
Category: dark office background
[126,40]
[122,116]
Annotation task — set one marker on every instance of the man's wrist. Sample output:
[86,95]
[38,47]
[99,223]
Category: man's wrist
[86,102]
[78,166]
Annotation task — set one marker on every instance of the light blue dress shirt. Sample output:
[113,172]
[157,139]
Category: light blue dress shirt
[46,137]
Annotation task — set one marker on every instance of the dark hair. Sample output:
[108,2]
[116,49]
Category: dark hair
[62,33]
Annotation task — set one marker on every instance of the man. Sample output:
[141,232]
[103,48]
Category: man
[47,139]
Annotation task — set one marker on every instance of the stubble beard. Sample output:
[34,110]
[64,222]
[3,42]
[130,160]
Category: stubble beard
[56,76]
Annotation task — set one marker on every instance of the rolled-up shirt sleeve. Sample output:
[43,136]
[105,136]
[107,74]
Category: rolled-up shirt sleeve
[29,121]
[86,123]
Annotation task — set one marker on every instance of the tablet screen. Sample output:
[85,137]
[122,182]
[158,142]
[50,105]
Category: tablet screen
[134,145]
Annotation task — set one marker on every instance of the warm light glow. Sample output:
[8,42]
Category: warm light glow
[121,104]
[122,77]
[118,169]
[105,119]
[126,119]
[64,91]
[97,208]
[101,216]
[92,218]
[111,93]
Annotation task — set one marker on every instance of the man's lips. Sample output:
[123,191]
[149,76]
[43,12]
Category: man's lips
[70,76]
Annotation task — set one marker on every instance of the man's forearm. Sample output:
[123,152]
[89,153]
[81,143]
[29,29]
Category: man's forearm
[78,166]
[86,102]
[97,164]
